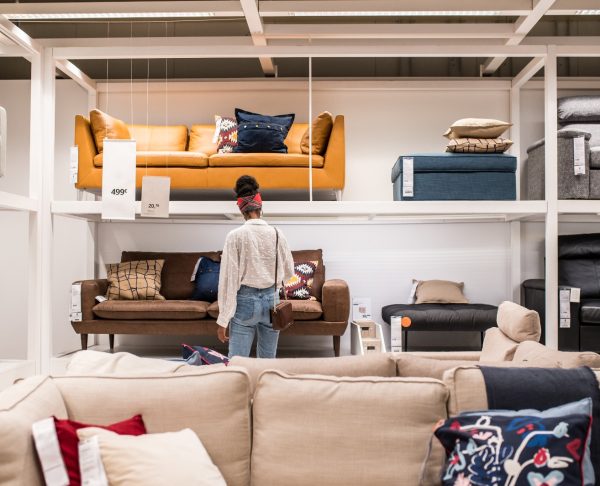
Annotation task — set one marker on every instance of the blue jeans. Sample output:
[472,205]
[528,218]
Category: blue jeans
[252,316]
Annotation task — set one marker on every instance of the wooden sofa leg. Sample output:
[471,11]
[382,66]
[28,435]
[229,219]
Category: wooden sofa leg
[111,342]
[84,341]
[336,345]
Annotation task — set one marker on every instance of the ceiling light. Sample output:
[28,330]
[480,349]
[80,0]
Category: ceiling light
[588,12]
[105,15]
[397,13]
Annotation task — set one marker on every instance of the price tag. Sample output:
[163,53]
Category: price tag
[575,294]
[118,180]
[396,333]
[565,304]
[565,323]
[407,176]
[155,196]
[90,463]
[46,444]
[413,292]
[579,155]
[74,165]
[75,310]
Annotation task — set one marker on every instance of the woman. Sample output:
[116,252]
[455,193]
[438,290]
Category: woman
[246,286]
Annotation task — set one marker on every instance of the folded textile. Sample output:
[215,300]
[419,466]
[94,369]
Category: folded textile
[543,388]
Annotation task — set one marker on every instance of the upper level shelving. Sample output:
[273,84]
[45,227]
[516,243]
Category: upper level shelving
[16,202]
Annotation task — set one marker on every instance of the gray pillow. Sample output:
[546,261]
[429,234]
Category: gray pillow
[579,109]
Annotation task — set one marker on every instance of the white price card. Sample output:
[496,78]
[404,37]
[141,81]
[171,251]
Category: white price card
[565,304]
[396,333]
[75,310]
[90,463]
[118,180]
[155,196]
[48,449]
[575,294]
[74,164]
[408,164]
[565,323]
[579,155]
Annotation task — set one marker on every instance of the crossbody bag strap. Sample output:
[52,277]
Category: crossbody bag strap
[276,256]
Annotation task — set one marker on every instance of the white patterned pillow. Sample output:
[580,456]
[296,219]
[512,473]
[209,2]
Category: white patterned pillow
[479,145]
[300,285]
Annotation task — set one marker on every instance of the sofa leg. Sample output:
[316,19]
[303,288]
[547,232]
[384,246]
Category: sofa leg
[84,341]
[111,342]
[404,340]
[338,194]
[336,345]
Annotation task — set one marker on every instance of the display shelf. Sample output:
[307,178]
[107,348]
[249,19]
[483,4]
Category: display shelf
[363,210]
[11,370]
[16,202]
[579,211]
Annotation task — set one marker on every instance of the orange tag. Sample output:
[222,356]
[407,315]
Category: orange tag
[406,322]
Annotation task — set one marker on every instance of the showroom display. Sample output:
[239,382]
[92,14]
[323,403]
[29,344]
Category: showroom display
[457,177]
[194,161]
[177,315]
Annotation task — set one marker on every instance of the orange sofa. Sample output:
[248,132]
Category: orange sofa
[192,161]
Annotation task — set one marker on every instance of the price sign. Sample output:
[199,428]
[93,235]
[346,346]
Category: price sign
[118,180]
[155,196]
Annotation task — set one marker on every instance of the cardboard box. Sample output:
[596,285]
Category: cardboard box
[371,346]
[368,329]
[372,343]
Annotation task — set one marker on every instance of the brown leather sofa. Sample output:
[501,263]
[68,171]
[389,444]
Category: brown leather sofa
[326,316]
[192,161]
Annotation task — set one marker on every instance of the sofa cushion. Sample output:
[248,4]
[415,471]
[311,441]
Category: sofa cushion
[497,346]
[579,109]
[519,323]
[319,277]
[375,364]
[294,138]
[306,310]
[177,270]
[169,403]
[590,311]
[321,130]
[440,292]
[159,137]
[147,158]
[213,310]
[201,139]
[416,366]
[327,430]
[152,310]
[530,351]
[21,405]
[105,126]
[263,160]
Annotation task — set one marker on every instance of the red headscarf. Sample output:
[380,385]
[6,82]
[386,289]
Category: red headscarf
[250,203]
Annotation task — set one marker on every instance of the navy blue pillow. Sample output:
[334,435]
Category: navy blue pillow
[207,280]
[262,133]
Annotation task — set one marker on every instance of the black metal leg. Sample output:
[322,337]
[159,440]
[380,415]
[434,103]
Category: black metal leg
[404,340]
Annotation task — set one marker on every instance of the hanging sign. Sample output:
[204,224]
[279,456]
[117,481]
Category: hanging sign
[118,180]
[155,196]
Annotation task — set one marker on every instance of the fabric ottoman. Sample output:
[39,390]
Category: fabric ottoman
[442,317]
[457,177]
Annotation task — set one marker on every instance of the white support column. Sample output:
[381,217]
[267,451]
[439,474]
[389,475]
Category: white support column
[310,134]
[551,184]
[515,226]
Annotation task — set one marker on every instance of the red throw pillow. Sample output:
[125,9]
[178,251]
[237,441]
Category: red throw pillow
[66,431]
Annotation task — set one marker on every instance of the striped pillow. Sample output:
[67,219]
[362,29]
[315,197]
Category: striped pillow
[137,280]
[479,145]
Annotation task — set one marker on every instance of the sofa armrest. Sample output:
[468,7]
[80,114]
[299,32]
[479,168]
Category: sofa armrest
[336,301]
[335,155]
[84,140]
[567,133]
[89,290]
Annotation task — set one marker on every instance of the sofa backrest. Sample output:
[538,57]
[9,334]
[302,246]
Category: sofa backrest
[319,278]
[214,403]
[201,139]
[159,137]
[579,263]
[177,270]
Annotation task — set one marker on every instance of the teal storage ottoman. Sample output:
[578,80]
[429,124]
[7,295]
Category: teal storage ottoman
[456,177]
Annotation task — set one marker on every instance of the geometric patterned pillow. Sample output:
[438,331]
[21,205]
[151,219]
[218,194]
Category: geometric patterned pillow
[138,280]
[479,145]
[299,286]
[227,134]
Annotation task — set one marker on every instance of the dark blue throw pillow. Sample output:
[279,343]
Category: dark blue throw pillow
[207,280]
[262,133]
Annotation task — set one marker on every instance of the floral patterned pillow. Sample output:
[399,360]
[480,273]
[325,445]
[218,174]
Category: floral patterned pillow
[509,450]
[300,285]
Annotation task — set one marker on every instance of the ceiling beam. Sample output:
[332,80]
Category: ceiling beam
[76,75]
[13,51]
[528,72]
[255,24]
[18,36]
[522,27]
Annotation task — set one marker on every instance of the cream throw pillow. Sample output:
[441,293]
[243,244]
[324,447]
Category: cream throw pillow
[497,346]
[440,292]
[477,127]
[154,459]
[519,323]
[532,352]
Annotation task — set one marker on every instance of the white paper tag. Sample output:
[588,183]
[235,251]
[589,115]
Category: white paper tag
[101,298]
[193,279]
[413,292]
[407,176]
[215,138]
[75,308]
[565,323]
[565,304]
[156,192]
[396,333]
[575,294]
[90,463]
[48,449]
[118,180]
[579,155]
[73,165]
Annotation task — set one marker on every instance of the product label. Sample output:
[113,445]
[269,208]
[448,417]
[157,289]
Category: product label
[73,165]
[396,333]
[90,463]
[575,294]
[579,155]
[46,444]
[565,304]
[156,192]
[565,323]
[118,180]
[75,309]
[407,177]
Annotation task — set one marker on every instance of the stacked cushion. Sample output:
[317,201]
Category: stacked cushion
[477,135]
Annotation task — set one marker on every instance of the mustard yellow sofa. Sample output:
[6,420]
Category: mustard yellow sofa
[192,162]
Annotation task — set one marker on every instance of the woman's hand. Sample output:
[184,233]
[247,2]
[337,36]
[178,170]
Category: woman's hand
[222,334]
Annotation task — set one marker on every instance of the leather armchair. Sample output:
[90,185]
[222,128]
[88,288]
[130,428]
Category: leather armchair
[578,267]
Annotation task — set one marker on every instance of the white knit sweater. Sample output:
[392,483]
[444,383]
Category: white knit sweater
[249,259]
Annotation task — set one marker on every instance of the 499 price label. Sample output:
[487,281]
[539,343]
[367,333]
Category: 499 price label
[119,192]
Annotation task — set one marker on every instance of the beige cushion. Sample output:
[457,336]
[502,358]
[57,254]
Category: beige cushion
[479,145]
[440,292]
[201,139]
[451,355]
[341,431]
[467,390]
[377,364]
[177,310]
[213,310]
[106,126]
[160,137]
[154,459]
[169,403]
[407,366]
[532,352]
[306,310]
[21,405]
[264,160]
[518,322]
[477,127]
[136,280]
[497,346]
[321,129]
